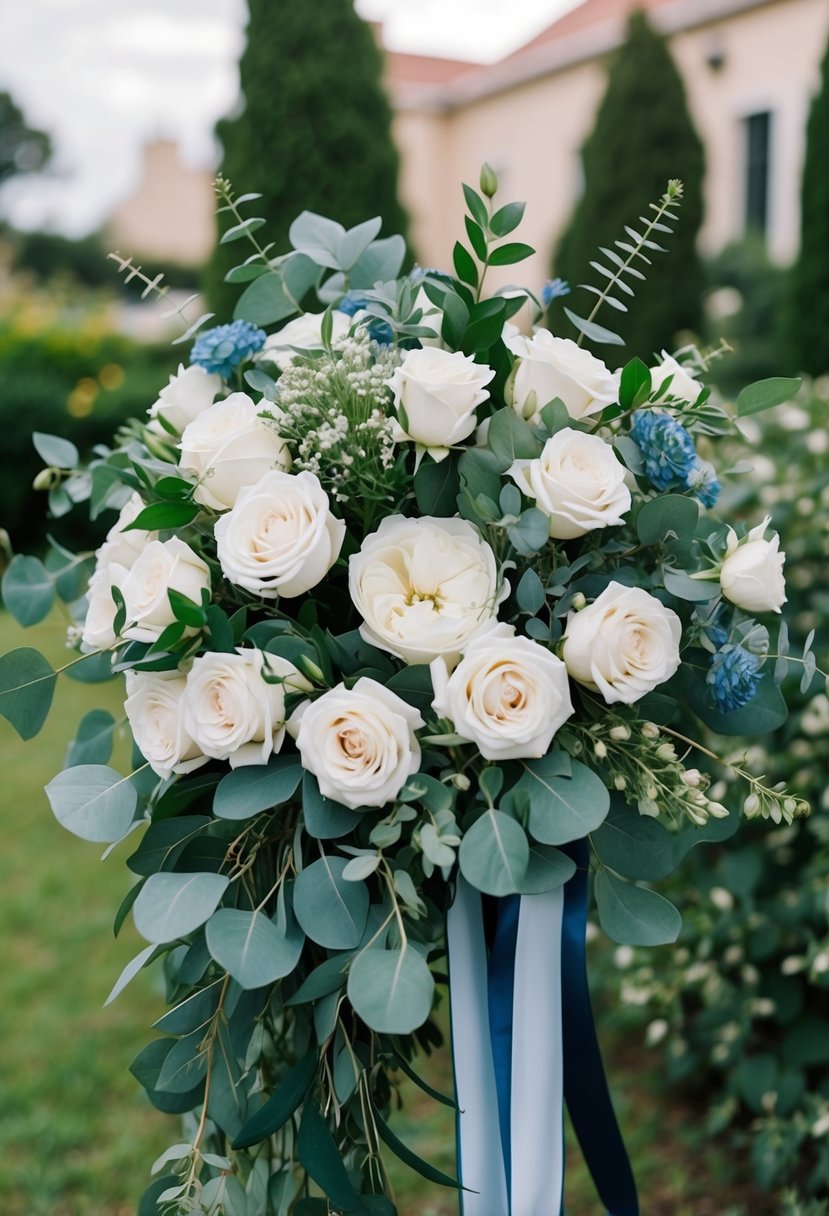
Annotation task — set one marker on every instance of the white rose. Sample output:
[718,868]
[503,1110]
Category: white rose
[622,645]
[576,481]
[232,712]
[360,743]
[752,573]
[280,538]
[424,587]
[122,548]
[99,625]
[230,446]
[169,565]
[154,711]
[683,385]
[435,394]
[190,391]
[303,333]
[508,695]
[550,367]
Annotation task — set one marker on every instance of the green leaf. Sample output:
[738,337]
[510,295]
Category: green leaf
[476,205]
[95,668]
[242,229]
[411,1159]
[510,438]
[530,533]
[766,711]
[252,788]
[129,973]
[391,990]
[318,1153]
[93,742]
[186,610]
[28,590]
[436,486]
[328,977]
[694,591]
[323,818]
[480,473]
[634,916]
[464,264]
[669,519]
[509,254]
[486,324]
[318,238]
[548,869]
[163,515]
[251,947]
[331,910]
[494,854]
[764,394]
[246,273]
[380,263]
[282,1103]
[506,219]
[56,452]
[635,385]
[195,1011]
[413,685]
[562,807]
[164,841]
[530,592]
[634,845]
[356,241]
[93,801]
[185,1065]
[455,319]
[476,237]
[170,906]
[596,333]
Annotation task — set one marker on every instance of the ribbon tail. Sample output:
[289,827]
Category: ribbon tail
[480,1159]
[585,1084]
[537,1134]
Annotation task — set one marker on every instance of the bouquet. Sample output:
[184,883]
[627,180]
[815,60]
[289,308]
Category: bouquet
[415,611]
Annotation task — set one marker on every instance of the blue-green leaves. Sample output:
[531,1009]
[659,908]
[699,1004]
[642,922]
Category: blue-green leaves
[634,916]
[251,946]
[27,686]
[391,990]
[246,791]
[494,854]
[28,590]
[764,394]
[170,906]
[566,799]
[93,801]
[330,909]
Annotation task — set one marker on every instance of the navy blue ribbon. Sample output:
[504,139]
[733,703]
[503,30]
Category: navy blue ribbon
[585,1084]
[502,934]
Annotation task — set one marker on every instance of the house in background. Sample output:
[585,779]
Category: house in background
[750,69]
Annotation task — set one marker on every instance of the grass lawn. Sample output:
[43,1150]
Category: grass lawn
[76,1135]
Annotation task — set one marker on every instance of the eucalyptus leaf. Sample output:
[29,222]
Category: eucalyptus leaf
[28,590]
[391,990]
[764,394]
[494,854]
[330,909]
[27,686]
[282,1103]
[324,818]
[318,1153]
[634,916]
[171,905]
[251,947]
[93,801]
[634,845]
[252,788]
[54,451]
[93,742]
[562,807]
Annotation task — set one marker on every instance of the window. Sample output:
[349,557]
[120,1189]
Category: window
[757,170]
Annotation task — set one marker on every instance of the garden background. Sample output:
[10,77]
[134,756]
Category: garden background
[718,1048]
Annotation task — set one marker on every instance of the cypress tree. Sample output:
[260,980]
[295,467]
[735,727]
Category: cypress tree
[643,137]
[807,327]
[313,128]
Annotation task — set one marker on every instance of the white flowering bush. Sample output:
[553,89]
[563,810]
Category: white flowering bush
[399,595]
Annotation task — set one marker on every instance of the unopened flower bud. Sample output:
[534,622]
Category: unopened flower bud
[46,479]
[157,447]
[648,807]
[489,180]
[717,811]
[600,750]
[620,782]
[691,777]
[579,601]
[722,899]
[650,730]
[460,781]
[666,751]
[620,733]
[751,805]
[652,792]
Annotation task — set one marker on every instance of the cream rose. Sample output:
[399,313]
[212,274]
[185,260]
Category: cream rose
[190,391]
[122,548]
[303,333]
[623,645]
[230,446]
[280,537]
[577,482]
[550,367]
[232,712]
[508,695]
[752,573]
[169,565]
[154,712]
[683,385]
[435,395]
[360,743]
[99,624]
[424,587]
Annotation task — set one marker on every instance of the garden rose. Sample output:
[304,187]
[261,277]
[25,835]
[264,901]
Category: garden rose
[752,573]
[508,695]
[550,367]
[577,482]
[190,391]
[359,743]
[303,333]
[435,394]
[122,548]
[232,712]
[154,712]
[623,645]
[169,565]
[424,587]
[684,384]
[280,537]
[99,625]
[230,446]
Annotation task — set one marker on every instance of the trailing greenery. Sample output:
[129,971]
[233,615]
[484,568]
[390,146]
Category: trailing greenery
[315,125]
[643,136]
[808,311]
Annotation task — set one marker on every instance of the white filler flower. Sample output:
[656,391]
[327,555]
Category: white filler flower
[752,573]
[577,482]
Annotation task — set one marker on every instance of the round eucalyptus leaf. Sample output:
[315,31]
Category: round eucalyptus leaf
[93,801]
[251,947]
[28,590]
[27,685]
[170,906]
[494,854]
[391,990]
[330,909]
[93,742]
[564,808]
[246,791]
[635,845]
[634,916]
[548,869]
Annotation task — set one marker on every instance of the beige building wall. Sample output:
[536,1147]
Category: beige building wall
[769,57]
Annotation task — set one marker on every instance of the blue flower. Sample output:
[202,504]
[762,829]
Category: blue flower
[670,456]
[733,678]
[379,330]
[222,349]
[553,289]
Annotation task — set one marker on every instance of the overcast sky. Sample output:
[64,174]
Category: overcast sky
[104,75]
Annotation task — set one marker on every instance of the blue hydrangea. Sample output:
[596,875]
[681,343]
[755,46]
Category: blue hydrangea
[379,330]
[554,289]
[733,678]
[670,456]
[222,349]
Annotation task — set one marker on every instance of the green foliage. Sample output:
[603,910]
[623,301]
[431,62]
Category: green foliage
[807,319]
[23,149]
[744,308]
[642,138]
[310,127]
